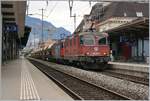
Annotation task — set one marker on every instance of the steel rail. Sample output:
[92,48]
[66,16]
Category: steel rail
[73,94]
[136,79]
[62,86]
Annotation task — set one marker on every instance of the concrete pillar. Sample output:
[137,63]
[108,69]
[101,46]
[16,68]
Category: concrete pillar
[143,52]
[13,48]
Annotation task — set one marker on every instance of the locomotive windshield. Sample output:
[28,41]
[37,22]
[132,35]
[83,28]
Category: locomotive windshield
[102,41]
[87,40]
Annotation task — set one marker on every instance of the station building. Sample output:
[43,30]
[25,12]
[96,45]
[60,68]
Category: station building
[14,32]
[131,43]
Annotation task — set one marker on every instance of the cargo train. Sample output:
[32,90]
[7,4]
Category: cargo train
[89,50]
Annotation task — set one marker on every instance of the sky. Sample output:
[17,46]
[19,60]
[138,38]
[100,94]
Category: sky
[57,12]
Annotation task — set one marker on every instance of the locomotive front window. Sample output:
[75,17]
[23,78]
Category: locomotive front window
[81,40]
[87,40]
[102,41]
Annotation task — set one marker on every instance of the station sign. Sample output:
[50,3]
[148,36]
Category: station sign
[123,39]
[10,28]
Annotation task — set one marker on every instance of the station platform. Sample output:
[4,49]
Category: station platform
[23,81]
[130,66]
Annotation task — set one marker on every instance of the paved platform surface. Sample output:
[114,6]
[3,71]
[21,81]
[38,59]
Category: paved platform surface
[130,66]
[23,81]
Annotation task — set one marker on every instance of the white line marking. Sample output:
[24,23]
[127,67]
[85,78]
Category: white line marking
[34,88]
[28,89]
[31,93]
[21,85]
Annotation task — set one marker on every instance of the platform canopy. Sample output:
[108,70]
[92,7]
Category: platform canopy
[26,36]
[13,12]
[139,26]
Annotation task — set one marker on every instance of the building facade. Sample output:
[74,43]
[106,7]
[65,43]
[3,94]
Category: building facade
[14,32]
[127,43]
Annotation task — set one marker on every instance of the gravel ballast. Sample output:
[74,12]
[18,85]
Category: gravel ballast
[124,87]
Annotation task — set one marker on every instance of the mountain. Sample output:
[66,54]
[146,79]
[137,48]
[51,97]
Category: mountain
[60,33]
[49,30]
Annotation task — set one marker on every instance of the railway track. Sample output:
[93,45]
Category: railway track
[122,75]
[77,88]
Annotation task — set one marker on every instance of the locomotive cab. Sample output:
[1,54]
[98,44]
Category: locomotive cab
[94,45]
[94,49]
[87,40]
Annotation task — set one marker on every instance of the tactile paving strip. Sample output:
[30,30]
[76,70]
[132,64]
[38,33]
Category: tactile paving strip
[28,89]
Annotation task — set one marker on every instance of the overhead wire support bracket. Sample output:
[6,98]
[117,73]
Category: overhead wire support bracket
[70,7]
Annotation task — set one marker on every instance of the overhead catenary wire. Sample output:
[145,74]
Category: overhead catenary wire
[52,9]
[75,16]
[46,5]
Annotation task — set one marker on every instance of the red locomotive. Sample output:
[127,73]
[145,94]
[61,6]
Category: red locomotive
[88,49]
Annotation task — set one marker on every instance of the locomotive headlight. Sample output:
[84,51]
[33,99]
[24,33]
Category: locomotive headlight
[87,53]
[104,53]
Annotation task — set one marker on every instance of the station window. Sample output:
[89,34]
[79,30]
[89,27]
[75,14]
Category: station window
[125,14]
[139,14]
